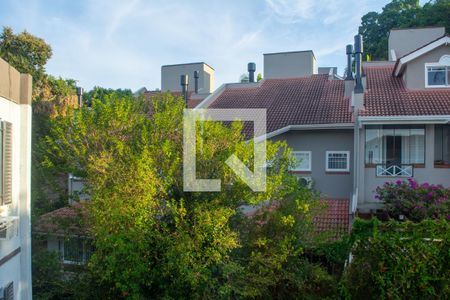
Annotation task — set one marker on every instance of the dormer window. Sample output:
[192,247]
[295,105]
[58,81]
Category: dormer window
[438,74]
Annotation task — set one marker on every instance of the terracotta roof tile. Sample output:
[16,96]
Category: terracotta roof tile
[63,221]
[334,217]
[387,96]
[296,101]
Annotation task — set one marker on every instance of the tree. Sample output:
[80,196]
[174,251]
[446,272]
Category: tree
[27,53]
[375,26]
[154,239]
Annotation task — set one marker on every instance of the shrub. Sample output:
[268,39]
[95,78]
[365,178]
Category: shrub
[415,201]
[396,260]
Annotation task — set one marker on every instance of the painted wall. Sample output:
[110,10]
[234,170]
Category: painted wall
[333,185]
[170,77]
[289,64]
[15,107]
[415,70]
[404,41]
[428,174]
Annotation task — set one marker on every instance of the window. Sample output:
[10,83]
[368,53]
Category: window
[8,292]
[5,163]
[337,161]
[395,145]
[437,75]
[442,145]
[76,250]
[302,161]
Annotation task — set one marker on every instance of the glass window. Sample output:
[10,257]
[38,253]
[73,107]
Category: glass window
[337,161]
[442,145]
[395,145]
[302,161]
[76,251]
[438,76]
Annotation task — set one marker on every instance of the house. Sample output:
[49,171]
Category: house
[385,121]
[15,170]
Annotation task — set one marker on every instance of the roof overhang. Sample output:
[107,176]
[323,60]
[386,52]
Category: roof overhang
[401,62]
[304,127]
[381,120]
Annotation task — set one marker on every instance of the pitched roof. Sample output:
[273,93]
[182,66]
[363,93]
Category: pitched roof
[63,221]
[335,216]
[387,96]
[294,101]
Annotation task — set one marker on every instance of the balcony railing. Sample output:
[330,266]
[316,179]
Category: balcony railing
[395,170]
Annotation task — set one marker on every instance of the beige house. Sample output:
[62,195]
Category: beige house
[15,170]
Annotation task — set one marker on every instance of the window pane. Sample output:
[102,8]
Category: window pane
[436,75]
[442,144]
[337,161]
[73,250]
[417,147]
[373,146]
[303,161]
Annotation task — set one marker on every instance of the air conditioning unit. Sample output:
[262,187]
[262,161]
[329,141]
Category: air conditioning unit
[306,181]
[8,227]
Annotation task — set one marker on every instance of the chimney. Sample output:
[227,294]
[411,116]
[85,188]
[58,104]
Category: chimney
[349,52]
[358,60]
[184,86]
[196,76]
[251,67]
[349,82]
[80,96]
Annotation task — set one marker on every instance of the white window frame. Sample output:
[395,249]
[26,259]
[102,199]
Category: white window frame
[337,152]
[427,65]
[309,153]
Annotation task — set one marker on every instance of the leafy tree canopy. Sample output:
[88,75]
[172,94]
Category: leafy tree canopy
[375,26]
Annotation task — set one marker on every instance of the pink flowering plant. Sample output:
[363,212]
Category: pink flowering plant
[415,201]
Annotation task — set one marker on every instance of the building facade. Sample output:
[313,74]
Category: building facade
[15,171]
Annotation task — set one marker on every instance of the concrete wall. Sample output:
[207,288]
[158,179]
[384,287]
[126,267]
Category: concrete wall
[428,174]
[170,77]
[403,41]
[15,107]
[414,75]
[333,185]
[289,64]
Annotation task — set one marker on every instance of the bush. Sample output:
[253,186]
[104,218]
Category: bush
[400,261]
[416,202]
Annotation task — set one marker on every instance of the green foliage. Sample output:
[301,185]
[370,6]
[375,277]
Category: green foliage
[259,77]
[375,26]
[151,237]
[415,201]
[399,261]
[25,52]
[101,93]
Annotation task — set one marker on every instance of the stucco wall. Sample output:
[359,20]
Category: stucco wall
[404,41]
[289,64]
[170,77]
[15,107]
[333,185]
[415,70]
[428,174]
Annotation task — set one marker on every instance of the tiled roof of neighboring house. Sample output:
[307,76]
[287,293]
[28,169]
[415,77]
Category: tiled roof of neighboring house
[295,101]
[387,95]
[193,99]
[63,221]
[334,217]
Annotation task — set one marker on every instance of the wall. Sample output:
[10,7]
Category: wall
[414,75]
[427,174]
[15,107]
[289,64]
[404,41]
[170,77]
[332,185]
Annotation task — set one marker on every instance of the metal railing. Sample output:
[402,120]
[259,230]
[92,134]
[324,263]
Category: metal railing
[395,170]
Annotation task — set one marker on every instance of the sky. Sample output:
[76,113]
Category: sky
[123,44]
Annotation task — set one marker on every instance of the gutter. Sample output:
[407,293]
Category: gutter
[442,119]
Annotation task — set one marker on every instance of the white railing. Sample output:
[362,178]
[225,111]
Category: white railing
[395,170]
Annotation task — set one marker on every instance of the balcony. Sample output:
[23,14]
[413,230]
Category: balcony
[394,170]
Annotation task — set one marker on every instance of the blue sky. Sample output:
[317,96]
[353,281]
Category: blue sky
[122,44]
